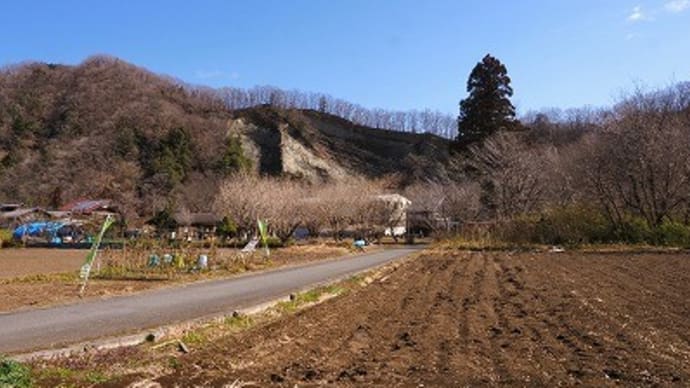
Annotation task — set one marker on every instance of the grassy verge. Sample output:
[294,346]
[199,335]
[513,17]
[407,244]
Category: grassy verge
[14,374]
[309,297]
[484,244]
[495,244]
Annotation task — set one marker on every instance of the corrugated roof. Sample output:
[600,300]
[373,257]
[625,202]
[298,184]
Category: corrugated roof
[88,206]
[394,198]
[7,207]
[58,213]
[22,212]
[196,219]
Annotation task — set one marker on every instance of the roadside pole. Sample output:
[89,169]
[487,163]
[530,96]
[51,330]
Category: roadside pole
[86,267]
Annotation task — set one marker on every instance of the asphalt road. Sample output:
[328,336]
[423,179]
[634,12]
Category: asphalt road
[51,327]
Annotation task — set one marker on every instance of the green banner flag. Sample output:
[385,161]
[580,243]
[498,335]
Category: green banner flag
[263,231]
[86,268]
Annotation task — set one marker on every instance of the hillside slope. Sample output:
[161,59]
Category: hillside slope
[106,128]
[314,145]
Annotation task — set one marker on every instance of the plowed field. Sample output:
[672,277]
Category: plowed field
[460,318]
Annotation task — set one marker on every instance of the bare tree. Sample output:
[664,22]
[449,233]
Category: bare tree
[340,205]
[438,207]
[512,176]
[284,209]
[333,204]
[365,209]
[241,199]
[406,121]
[640,164]
[246,198]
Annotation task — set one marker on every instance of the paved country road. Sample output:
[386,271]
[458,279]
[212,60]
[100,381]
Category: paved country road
[45,328]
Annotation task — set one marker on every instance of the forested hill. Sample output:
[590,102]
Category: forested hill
[109,129]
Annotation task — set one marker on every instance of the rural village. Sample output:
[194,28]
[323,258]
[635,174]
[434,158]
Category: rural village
[345,193]
[73,225]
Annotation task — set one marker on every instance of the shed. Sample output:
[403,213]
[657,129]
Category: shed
[90,207]
[11,219]
[8,207]
[196,226]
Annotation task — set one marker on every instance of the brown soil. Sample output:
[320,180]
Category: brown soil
[43,277]
[15,262]
[457,318]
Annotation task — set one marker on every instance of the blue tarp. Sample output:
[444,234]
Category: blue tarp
[38,229]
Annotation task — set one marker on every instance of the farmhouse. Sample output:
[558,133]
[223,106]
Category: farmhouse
[195,226]
[90,213]
[18,216]
[91,208]
[8,207]
[396,224]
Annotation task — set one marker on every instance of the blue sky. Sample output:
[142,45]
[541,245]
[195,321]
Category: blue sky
[390,54]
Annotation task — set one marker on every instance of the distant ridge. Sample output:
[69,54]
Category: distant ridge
[110,129]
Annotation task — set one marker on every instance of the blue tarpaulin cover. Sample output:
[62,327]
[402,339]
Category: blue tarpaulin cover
[38,228]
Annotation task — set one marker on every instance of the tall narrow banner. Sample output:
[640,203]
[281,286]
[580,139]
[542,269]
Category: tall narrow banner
[86,268]
[263,231]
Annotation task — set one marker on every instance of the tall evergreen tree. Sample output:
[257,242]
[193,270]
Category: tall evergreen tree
[487,109]
[174,155]
[234,158]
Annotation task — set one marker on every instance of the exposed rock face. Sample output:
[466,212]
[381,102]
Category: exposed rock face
[318,147]
[275,152]
[299,161]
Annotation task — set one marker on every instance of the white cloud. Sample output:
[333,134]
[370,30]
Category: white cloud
[677,6]
[637,15]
